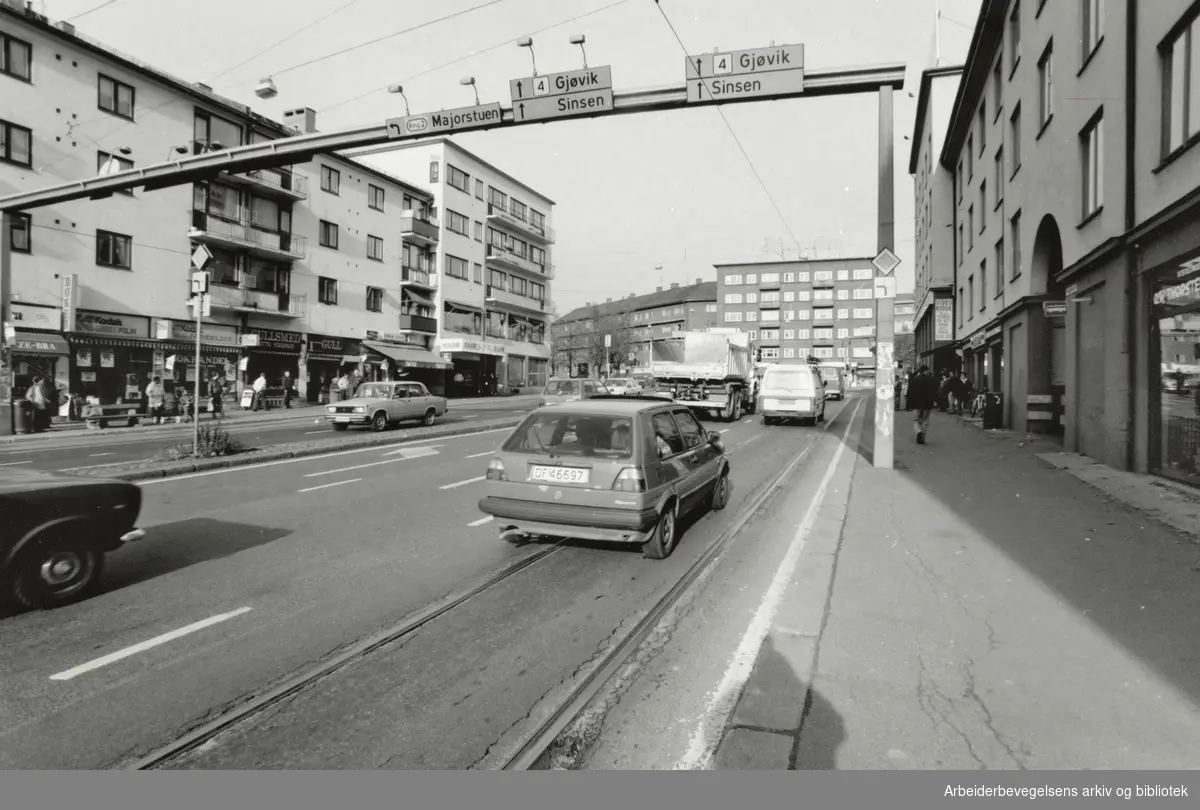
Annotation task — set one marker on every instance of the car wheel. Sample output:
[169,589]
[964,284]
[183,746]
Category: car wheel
[737,409]
[662,541]
[720,493]
[56,572]
[430,417]
[379,422]
[340,427]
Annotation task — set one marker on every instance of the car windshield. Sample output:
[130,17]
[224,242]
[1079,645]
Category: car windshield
[561,388]
[375,390]
[569,434]
[789,380]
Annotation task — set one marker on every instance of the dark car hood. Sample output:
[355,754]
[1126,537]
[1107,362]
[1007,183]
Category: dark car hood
[29,480]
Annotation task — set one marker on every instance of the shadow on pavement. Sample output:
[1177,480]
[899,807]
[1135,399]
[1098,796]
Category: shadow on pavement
[171,547]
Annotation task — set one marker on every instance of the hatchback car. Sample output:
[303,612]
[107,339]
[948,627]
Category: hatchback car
[612,468]
[382,404]
[557,392]
[792,392]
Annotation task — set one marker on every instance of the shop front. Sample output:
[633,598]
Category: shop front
[38,348]
[175,358]
[325,359]
[112,357]
[1175,370]
[934,334]
[398,359]
[474,364]
[271,352]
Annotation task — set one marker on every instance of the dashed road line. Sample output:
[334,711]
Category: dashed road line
[327,486]
[457,484]
[482,521]
[480,455]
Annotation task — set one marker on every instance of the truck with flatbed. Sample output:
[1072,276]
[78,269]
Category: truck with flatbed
[710,372]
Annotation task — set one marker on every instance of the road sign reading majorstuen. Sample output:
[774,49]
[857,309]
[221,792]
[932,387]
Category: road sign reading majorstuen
[745,74]
[558,95]
[445,121]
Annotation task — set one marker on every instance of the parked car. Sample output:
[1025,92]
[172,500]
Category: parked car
[383,404]
[611,468]
[558,391]
[57,529]
[835,382]
[792,392]
[619,385]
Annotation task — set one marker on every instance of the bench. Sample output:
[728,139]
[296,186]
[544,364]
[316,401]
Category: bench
[98,416]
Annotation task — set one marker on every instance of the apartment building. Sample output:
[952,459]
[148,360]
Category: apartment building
[305,261]
[633,323]
[933,229]
[1077,189]
[794,310]
[492,297]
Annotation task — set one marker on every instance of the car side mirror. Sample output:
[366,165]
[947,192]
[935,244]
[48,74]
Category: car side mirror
[714,437]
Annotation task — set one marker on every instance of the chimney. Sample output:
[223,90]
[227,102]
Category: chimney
[699,281]
[674,286]
[204,87]
[608,300]
[658,289]
[65,27]
[302,119]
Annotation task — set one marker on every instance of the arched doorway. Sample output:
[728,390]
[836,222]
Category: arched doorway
[1048,369]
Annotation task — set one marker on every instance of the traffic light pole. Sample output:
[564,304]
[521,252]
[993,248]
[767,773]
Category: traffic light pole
[885,326]
[7,417]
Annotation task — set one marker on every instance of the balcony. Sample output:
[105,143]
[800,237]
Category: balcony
[500,297]
[240,234]
[500,214]
[259,302]
[417,277]
[417,229]
[271,183]
[418,323]
[501,256]
[763,284]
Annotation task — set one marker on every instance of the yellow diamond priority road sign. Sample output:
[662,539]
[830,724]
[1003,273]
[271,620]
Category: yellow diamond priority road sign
[885,262]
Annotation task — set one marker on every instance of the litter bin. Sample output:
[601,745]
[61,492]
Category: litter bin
[23,416]
[993,411]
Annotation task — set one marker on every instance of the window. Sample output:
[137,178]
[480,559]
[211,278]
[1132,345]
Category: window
[16,57]
[970,158]
[114,250]
[771,353]
[822,334]
[1093,28]
[843,314]
[478,231]
[327,290]
[823,275]
[375,197]
[733,317]
[1092,154]
[1181,88]
[802,277]
[997,87]
[331,180]
[971,299]
[789,315]
[982,285]
[498,198]
[433,171]
[804,315]
[769,334]
[789,278]
[710,307]
[478,189]
[770,315]
[121,164]
[822,351]
[789,334]
[843,333]
[998,258]
[1015,127]
[802,334]
[518,209]
[751,298]
[959,178]
[733,281]
[752,278]
[478,273]
[843,275]
[982,205]
[20,227]
[329,235]
[456,267]
[213,130]
[971,228]
[804,295]
[843,295]
[116,97]
[16,144]
[375,248]
[862,274]
[999,177]
[374,299]
[789,354]
[822,295]
[982,127]
[960,245]
[862,294]
[1046,86]
[822,314]
[458,178]
[789,296]
[458,223]
[1015,235]
[1014,35]
[733,298]
[751,316]
[770,278]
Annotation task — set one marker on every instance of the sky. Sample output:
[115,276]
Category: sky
[632,192]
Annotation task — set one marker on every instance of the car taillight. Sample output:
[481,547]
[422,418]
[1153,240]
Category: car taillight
[631,479]
[495,470]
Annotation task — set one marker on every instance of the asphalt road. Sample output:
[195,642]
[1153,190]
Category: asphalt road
[293,560]
[80,450]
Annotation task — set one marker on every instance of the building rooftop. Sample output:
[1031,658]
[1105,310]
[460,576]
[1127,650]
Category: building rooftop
[927,78]
[701,291]
[986,39]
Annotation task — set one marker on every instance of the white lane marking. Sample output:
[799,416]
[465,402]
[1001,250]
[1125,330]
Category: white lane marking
[97,455]
[747,421]
[463,483]
[482,521]
[726,430]
[104,661]
[334,484]
[15,463]
[312,432]
[475,455]
[416,452]
[723,701]
[224,470]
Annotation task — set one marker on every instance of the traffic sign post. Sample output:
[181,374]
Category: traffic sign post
[456,120]
[885,263]
[558,95]
[745,74]
[202,303]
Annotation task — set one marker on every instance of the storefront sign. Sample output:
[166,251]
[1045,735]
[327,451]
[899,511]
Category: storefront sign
[107,359]
[333,347]
[1054,309]
[976,340]
[1071,291]
[467,345]
[84,358]
[248,341]
[127,326]
[277,340]
[70,297]
[31,317]
[943,324]
[993,332]
[212,334]
[1179,295]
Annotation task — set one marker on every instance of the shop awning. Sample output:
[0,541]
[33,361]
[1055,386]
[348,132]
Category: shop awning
[36,343]
[418,298]
[408,356]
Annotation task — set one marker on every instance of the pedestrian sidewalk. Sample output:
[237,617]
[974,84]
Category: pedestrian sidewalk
[990,603]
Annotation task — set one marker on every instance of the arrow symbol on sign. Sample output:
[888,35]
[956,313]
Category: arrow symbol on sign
[698,73]
[415,452]
[520,92]
[522,109]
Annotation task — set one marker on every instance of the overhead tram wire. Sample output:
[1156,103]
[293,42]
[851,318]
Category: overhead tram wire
[93,10]
[736,139]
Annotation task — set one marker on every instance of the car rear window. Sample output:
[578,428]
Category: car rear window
[561,388]
[789,380]
[570,434]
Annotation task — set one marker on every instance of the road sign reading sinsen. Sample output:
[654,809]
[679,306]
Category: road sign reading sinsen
[745,74]
[558,95]
[445,121]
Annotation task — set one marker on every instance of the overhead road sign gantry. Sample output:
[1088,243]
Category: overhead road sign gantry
[755,73]
[558,95]
[302,148]
[456,120]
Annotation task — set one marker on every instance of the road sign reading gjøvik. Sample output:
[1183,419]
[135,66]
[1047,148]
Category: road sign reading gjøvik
[742,74]
[559,95]
[445,121]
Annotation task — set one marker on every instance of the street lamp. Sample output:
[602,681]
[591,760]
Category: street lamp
[527,42]
[398,89]
[469,81]
[579,39]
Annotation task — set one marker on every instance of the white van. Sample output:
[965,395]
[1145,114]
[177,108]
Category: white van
[792,392]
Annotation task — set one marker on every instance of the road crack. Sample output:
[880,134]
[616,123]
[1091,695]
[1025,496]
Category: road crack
[927,690]
[972,693]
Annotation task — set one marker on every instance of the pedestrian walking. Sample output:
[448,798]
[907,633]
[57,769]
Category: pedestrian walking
[215,392]
[968,393]
[185,406]
[343,386]
[289,386]
[260,385]
[155,399]
[37,394]
[922,397]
